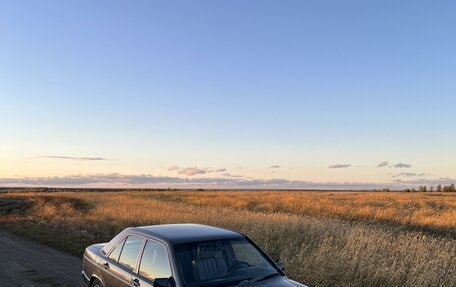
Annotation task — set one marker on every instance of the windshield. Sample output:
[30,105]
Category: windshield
[224,262]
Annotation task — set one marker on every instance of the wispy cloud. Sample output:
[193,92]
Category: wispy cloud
[232,175]
[402,165]
[72,157]
[408,174]
[220,170]
[275,166]
[339,166]
[383,164]
[173,167]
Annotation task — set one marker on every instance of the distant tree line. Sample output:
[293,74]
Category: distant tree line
[438,188]
[424,188]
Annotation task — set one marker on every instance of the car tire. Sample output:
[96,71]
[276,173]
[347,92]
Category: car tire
[96,283]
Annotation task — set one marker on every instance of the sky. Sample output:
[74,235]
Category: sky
[228,94]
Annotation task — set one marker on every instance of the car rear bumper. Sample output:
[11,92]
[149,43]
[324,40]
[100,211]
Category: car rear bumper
[85,278]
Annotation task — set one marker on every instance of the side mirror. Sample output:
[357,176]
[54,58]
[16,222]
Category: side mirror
[281,265]
[164,282]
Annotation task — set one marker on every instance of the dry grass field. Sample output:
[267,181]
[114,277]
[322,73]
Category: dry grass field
[324,238]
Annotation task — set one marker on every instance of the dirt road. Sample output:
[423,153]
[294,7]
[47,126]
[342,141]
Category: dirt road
[27,263]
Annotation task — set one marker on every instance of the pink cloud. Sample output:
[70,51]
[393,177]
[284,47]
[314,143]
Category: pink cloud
[191,171]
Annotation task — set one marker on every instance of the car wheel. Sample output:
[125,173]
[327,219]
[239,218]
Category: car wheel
[96,283]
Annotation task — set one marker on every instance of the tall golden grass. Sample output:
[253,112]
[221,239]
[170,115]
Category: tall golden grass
[325,239]
[434,212]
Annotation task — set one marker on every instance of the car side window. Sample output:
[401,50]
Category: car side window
[116,252]
[154,261]
[130,252]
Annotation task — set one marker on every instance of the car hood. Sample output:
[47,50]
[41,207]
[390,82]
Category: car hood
[275,282]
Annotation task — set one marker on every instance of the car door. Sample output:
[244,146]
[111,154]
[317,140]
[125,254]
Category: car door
[154,263]
[122,262]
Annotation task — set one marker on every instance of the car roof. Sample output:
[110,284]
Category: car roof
[184,233]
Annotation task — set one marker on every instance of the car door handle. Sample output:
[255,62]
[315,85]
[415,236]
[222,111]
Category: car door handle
[135,282]
[106,265]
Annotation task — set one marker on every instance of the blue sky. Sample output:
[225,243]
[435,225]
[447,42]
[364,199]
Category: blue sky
[322,90]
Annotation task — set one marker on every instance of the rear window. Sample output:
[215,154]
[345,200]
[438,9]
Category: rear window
[130,252]
[224,262]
